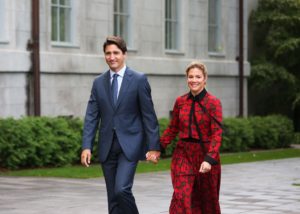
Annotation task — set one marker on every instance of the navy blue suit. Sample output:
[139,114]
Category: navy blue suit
[125,130]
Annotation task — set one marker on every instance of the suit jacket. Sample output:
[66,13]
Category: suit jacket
[133,119]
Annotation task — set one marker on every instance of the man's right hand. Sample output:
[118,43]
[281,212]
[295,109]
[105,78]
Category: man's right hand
[86,157]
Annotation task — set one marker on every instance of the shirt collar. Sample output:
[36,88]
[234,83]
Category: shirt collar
[198,97]
[120,72]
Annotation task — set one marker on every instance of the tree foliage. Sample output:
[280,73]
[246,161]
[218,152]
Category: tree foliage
[274,84]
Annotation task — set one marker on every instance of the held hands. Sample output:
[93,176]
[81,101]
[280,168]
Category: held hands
[153,156]
[205,167]
[86,157]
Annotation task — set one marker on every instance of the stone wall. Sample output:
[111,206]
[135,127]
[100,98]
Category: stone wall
[67,71]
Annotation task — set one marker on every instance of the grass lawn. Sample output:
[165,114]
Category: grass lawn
[164,164]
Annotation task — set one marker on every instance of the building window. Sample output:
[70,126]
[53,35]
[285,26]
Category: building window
[61,26]
[172,25]
[122,19]
[214,26]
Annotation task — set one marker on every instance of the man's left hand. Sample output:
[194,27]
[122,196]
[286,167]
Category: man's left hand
[153,156]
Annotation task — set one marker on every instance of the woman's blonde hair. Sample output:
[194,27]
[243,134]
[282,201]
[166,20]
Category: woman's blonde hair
[199,65]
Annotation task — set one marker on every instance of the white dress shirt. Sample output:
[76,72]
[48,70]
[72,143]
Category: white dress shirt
[120,77]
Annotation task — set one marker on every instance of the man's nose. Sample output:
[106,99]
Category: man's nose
[111,56]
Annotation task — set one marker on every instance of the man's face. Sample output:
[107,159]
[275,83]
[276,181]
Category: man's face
[114,57]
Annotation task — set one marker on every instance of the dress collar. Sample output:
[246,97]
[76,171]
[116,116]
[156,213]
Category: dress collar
[198,97]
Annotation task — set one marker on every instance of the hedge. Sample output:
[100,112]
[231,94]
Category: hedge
[38,142]
[238,135]
[47,141]
[272,132]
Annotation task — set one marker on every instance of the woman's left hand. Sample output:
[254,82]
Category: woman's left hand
[205,167]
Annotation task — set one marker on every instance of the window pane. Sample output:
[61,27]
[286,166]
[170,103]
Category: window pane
[121,18]
[61,21]
[54,1]
[124,28]
[116,25]
[65,2]
[121,7]
[171,24]
[212,39]
[116,7]
[166,35]
[54,24]
[167,9]
[212,12]
[174,35]
[64,25]
[213,26]
[173,10]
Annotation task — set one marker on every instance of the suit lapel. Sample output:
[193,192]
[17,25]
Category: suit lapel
[124,87]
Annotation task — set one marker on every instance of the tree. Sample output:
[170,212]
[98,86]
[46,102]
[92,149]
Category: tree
[274,84]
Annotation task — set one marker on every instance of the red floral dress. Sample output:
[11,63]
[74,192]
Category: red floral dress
[195,192]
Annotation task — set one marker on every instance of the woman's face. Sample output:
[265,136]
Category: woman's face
[196,80]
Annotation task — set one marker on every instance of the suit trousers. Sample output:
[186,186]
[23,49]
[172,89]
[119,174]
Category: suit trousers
[119,175]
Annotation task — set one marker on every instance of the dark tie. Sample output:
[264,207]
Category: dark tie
[114,88]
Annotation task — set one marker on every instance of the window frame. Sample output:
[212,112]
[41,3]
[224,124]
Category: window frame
[172,26]
[73,39]
[123,20]
[215,46]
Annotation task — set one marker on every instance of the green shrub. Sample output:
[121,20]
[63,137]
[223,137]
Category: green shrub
[15,143]
[76,125]
[242,134]
[163,125]
[45,141]
[296,139]
[237,135]
[36,142]
[272,131]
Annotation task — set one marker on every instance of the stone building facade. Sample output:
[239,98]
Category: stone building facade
[163,36]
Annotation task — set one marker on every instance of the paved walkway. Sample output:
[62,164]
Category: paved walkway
[265,187]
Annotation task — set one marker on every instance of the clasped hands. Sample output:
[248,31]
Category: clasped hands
[153,156]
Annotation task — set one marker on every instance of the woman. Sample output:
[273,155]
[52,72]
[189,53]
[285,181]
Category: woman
[195,167]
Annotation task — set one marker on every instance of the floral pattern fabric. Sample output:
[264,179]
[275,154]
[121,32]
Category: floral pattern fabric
[194,192]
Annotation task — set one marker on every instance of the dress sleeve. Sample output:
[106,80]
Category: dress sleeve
[173,128]
[215,110]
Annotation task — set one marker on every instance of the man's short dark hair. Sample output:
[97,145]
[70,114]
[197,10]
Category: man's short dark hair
[115,40]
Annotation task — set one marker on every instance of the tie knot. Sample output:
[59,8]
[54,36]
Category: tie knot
[115,76]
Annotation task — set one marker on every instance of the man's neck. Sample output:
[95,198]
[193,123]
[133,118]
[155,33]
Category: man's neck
[121,71]
[118,70]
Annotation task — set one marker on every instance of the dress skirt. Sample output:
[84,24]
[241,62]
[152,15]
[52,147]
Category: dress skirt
[194,192]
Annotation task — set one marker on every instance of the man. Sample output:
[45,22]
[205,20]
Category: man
[121,102]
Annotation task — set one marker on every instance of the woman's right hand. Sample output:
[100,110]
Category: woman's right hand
[205,167]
